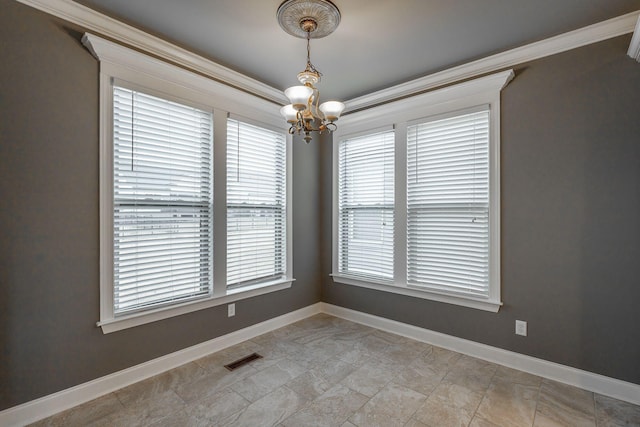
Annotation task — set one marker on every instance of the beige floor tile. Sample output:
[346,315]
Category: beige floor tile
[374,342]
[254,386]
[218,406]
[309,385]
[463,399]
[350,333]
[333,370]
[518,377]
[215,361]
[555,393]
[614,412]
[404,352]
[473,373]
[357,355]
[179,418]
[328,348]
[388,336]
[331,409]
[368,379]
[437,359]
[270,410]
[375,419]
[415,423]
[160,383]
[479,422]
[287,332]
[509,404]
[421,381]
[393,405]
[326,371]
[556,417]
[216,380]
[85,414]
[302,354]
[437,414]
[144,412]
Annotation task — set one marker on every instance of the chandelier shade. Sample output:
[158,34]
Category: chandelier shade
[298,96]
[332,110]
[289,113]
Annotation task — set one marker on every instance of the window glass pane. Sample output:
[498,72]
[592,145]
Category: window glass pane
[162,199]
[256,204]
[448,205]
[366,197]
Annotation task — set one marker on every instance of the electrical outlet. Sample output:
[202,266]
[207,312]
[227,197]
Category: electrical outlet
[521,328]
[231,310]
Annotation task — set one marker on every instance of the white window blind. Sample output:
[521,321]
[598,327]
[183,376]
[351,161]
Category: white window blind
[448,205]
[162,201]
[256,204]
[366,213]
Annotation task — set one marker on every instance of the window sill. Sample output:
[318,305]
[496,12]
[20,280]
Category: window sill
[403,289]
[136,319]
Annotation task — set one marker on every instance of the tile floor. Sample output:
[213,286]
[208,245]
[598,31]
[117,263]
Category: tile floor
[325,371]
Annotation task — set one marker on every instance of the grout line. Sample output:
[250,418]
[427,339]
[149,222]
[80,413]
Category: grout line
[535,413]
[595,404]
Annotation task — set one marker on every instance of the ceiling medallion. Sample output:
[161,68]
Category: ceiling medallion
[309,19]
[325,14]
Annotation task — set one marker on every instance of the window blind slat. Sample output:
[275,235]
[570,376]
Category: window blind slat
[448,205]
[162,201]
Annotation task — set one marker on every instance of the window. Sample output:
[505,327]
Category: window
[193,205]
[416,209]
[366,206]
[256,204]
[448,204]
[162,201]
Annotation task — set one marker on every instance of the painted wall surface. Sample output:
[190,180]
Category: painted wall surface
[570,223]
[49,288]
[570,220]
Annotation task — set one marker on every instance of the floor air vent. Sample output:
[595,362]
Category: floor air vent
[241,362]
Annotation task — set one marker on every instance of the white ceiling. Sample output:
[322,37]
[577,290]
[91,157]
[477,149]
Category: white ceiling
[379,43]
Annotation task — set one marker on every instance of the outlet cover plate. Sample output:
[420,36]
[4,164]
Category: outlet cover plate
[521,328]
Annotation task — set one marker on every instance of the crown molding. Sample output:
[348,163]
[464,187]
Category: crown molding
[121,32]
[634,46]
[108,27]
[592,34]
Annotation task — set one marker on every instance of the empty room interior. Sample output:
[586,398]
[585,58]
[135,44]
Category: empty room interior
[320,213]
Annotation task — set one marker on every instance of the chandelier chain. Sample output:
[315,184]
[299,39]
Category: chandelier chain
[310,66]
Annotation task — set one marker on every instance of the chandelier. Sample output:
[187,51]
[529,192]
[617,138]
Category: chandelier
[309,19]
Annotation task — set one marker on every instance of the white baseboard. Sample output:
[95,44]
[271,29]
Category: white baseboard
[607,386]
[52,404]
[49,405]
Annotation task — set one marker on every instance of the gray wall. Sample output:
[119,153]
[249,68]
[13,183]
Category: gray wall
[49,296]
[570,220]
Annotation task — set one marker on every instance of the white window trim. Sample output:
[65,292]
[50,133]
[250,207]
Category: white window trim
[470,94]
[120,63]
